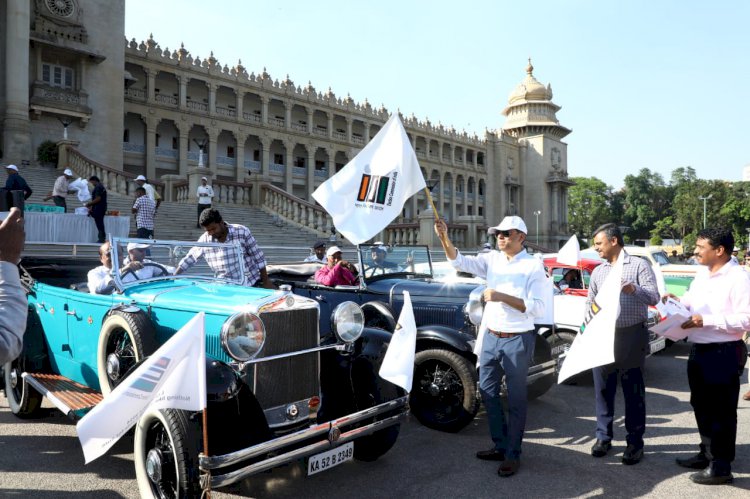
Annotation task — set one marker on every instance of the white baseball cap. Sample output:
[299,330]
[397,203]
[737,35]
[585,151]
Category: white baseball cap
[202,178]
[508,223]
[11,167]
[140,177]
[139,246]
[68,172]
[333,250]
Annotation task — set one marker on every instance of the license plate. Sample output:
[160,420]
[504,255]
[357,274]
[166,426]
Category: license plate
[658,345]
[330,458]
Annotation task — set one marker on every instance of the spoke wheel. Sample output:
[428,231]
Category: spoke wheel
[23,400]
[444,395]
[126,338]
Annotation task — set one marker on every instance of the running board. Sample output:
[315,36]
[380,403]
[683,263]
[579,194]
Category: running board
[67,395]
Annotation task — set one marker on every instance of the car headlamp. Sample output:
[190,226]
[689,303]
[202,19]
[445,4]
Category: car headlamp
[348,321]
[475,306]
[243,336]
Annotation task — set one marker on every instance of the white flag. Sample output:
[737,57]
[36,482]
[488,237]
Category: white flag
[570,253]
[173,377]
[594,345]
[370,191]
[398,363]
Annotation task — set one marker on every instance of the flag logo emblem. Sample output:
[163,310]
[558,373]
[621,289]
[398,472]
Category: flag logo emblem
[373,188]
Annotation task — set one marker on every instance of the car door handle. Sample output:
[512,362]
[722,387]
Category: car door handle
[71,312]
[41,306]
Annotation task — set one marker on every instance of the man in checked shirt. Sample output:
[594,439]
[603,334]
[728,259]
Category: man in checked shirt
[222,262]
[631,345]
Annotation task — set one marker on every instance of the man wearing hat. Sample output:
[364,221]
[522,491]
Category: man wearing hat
[514,297]
[15,182]
[150,191]
[205,194]
[336,272]
[60,189]
[319,252]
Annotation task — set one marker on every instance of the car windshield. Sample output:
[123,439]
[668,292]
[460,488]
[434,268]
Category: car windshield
[137,260]
[660,257]
[379,259]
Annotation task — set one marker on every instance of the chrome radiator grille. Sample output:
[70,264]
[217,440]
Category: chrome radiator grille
[294,378]
[443,315]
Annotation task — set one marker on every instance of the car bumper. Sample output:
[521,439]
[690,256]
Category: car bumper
[301,444]
[538,371]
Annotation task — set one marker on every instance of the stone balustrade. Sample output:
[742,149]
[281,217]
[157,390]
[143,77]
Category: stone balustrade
[294,210]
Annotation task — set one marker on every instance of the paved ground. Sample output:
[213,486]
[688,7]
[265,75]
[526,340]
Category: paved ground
[42,458]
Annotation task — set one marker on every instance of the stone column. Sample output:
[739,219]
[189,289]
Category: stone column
[426,228]
[349,124]
[367,133]
[414,206]
[555,218]
[150,148]
[288,166]
[264,109]
[239,148]
[240,102]
[16,127]
[331,162]
[211,99]
[330,125]
[453,154]
[150,84]
[465,201]
[310,171]
[183,152]
[265,146]
[288,115]
[453,195]
[310,121]
[213,137]
[440,152]
[183,81]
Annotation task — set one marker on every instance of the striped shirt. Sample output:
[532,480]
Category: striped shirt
[633,308]
[224,261]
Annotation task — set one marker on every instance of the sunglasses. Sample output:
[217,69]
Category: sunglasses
[504,233]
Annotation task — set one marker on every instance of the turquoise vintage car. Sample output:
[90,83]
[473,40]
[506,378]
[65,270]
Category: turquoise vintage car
[280,387]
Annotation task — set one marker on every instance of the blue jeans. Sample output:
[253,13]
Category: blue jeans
[509,356]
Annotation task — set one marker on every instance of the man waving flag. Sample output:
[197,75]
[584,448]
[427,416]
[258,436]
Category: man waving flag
[370,191]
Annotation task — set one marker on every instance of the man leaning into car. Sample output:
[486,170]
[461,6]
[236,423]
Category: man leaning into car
[13,303]
[515,287]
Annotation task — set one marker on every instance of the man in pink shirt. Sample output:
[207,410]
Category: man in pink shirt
[336,271]
[719,304]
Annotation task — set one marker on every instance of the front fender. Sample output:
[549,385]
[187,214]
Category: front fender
[456,340]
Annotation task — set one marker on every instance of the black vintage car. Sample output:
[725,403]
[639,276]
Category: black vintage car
[444,395]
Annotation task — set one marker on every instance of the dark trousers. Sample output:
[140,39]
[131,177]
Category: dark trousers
[634,391]
[99,221]
[509,356]
[144,233]
[60,201]
[714,371]
[201,207]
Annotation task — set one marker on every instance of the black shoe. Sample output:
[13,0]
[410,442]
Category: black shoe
[632,455]
[491,455]
[696,462]
[509,467]
[601,448]
[710,476]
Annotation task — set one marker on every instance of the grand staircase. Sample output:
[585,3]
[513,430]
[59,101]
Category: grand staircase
[176,221]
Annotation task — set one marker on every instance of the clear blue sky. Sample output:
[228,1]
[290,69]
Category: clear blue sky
[643,84]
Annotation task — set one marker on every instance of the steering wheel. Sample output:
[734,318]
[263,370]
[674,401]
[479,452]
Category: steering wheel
[163,271]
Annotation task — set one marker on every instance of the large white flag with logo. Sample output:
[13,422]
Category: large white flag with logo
[173,377]
[398,363]
[370,191]
[594,344]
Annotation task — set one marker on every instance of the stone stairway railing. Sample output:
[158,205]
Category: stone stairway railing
[408,233]
[113,180]
[294,210]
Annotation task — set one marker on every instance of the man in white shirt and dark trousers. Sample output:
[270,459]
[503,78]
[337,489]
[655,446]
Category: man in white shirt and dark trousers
[514,297]
[205,194]
[60,189]
[719,301]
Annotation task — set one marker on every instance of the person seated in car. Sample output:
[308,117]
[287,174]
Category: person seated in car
[136,266]
[379,265]
[336,271]
[571,279]
[100,278]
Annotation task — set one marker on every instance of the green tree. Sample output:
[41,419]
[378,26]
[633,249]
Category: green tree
[647,199]
[588,205]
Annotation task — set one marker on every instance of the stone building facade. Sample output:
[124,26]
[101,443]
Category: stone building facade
[143,109]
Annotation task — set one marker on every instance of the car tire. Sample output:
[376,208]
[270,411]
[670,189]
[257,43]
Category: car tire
[444,396]
[125,339]
[168,438]
[379,315]
[542,354]
[24,401]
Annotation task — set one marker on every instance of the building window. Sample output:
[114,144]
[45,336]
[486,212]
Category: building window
[126,135]
[299,162]
[230,152]
[57,76]
[278,159]
[256,155]
[320,165]
[174,142]
[157,139]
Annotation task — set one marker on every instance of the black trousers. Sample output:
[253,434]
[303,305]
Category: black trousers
[714,371]
[99,221]
[60,201]
[201,207]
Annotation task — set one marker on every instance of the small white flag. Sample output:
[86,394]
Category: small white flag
[370,191]
[398,363]
[173,377]
[570,253]
[594,345]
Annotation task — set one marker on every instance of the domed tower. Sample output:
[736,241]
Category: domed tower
[537,188]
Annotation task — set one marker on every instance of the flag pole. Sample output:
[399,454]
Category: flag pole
[434,210]
[207,476]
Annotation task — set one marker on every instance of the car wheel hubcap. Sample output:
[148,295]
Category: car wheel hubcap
[113,366]
[153,465]
[14,379]
[433,389]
